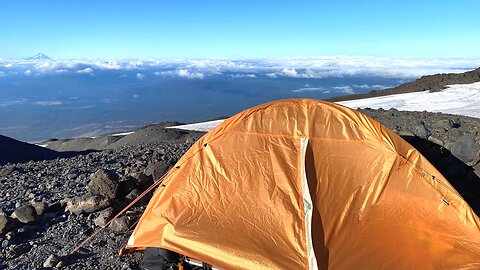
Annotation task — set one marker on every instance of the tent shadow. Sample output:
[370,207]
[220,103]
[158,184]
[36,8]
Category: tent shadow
[460,175]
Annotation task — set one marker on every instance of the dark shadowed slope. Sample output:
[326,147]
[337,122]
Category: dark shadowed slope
[144,135]
[432,83]
[13,151]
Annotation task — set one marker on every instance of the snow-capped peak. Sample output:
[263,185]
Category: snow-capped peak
[39,56]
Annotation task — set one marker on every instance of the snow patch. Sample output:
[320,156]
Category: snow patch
[122,134]
[203,126]
[461,99]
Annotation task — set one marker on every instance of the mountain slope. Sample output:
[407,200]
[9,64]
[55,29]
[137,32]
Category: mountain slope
[39,56]
[13,151]
[432,83]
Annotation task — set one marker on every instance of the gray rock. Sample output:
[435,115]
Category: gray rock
[26,214]
[40,207]
[104,216]
[476,169]
[135,193]
[125,187]
[104,182]
[5,243]
[157,169]
[446,124]
[420,130]
[467,150]
[141,179]
[6,224]
[15,251]
[120,224]
[51,261]
[60,264]
[454,133]
[7,170]
[89,204]
[436,140]
[405,132]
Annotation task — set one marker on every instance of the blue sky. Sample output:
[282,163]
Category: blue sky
[239,29]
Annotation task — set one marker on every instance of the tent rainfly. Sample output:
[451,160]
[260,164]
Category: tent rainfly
[307,184]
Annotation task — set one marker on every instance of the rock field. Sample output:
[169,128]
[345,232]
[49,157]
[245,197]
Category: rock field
[49,206]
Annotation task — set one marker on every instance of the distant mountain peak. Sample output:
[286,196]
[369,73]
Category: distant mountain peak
[39,56]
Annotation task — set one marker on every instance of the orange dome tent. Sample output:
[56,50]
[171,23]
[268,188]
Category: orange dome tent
[306,184]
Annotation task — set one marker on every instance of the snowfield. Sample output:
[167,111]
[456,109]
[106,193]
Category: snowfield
[203,126]
[461,99]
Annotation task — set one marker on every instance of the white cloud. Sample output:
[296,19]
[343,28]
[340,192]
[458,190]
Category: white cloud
[347,89]
[48,103]
[185,73]
[308,89]
[140,76]
[12,102]
[344,89]
[86,70]
[314,67]
[28,72]
[236,76]
[136,96]
[77,107]
[182,73]
[289,72]
[371,87]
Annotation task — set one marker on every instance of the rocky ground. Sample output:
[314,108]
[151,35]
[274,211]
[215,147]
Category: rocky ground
[49,206]
[450,142]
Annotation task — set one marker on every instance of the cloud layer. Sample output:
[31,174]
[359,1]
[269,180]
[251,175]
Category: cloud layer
[319,67]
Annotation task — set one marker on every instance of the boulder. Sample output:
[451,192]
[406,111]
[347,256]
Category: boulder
[445,124]
[40,207]
[476,169]
[454,134]
[157,169]
[120,224]
[135,193]
[104,183]
[51,261]
[405,133]
[467,150]
[104,216]
[7,170]
[89,204]
[141,179]
[421,131]
[125,187]
[436,140]
[6,224]
[26,214]
[15,251]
